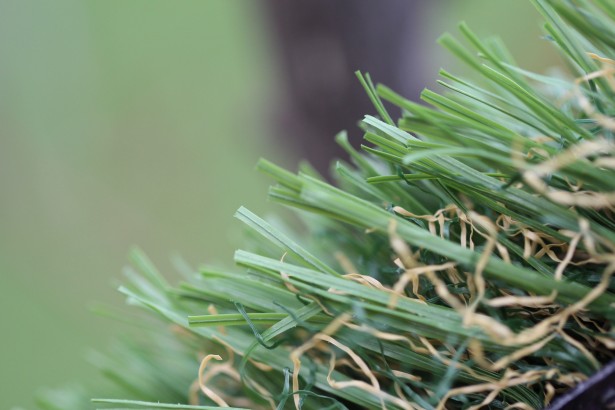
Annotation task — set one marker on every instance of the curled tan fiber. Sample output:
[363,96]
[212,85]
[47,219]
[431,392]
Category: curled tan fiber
[293,289]
[491,236]
[477,353]
[431,220]
[224,368]
[549,394]
[555,322]
[526,301]
[559,272]
[580,317]
[579,346]
[607,72]
[401,248]
[402,396]
[406,375]
[589,241]
[496,330]
[440,218]
[609,342]
[518,354]
[402,282]
[544,242]
[532,240]
[558,320]
[286,278]
[399,392]
[390,337]
[295,355]
[348,363]
[231,351]
[509,379]
[603,162]
[411,275]
[373,387]
[442,291]
[592,295]
[227,369]
[603,60]
[195,387]
[367,280]
[574,153]
[533,176]
[345,262]
[434,352]
[520,406]
[206,390]
[406,260]
[234,375]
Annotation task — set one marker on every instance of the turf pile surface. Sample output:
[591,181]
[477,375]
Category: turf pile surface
[462,259]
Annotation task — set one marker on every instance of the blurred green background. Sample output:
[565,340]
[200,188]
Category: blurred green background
[139,123]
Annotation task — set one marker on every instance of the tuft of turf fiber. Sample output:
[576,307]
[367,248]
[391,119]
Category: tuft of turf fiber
[462,260]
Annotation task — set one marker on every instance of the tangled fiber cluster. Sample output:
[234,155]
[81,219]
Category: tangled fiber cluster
[463,260]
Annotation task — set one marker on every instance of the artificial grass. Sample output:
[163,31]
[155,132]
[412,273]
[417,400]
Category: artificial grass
[463,260]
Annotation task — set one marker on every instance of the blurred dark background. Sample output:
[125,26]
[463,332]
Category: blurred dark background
[139,123]
[320,44]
